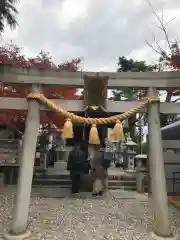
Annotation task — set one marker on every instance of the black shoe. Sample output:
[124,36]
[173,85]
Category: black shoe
[94,194]
[100,193]
[75,195]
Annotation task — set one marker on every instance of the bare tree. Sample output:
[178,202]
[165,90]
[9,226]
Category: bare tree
[166,56]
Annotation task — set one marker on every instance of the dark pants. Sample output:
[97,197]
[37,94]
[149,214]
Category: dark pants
[76,182]
[52,157]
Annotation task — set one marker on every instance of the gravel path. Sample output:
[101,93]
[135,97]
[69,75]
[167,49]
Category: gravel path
[89,219]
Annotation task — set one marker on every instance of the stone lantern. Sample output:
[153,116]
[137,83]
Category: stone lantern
[116,146]
[61,157]
[119,147]
[130,154]
[140,171]
[141,160]
[122,148]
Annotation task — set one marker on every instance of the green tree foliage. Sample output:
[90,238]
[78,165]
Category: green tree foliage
[127,93]
[126,65]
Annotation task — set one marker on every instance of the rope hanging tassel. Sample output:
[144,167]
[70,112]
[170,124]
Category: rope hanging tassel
[118,132]
[94,136]
[68,129]
[78,119]
[61,133]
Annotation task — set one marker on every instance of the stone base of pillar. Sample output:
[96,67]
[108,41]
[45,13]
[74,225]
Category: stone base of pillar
[60,167]
[153,236]
[140,182]
[22,236]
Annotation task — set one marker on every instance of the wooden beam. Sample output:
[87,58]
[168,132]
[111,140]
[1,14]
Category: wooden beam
[79,82]
[77,105]
[10,74]
[22,104]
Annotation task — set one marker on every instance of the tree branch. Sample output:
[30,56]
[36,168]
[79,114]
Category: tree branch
[162,25]
[153,48]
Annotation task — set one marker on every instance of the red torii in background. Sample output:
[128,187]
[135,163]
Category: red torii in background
[11,54]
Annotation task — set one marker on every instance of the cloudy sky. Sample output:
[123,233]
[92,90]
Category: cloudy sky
[97,30]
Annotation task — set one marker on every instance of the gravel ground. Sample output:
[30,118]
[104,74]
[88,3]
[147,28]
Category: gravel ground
[110,218]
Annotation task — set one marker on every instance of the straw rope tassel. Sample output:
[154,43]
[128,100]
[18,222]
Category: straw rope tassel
[94,136]
[118,132]
[68,129]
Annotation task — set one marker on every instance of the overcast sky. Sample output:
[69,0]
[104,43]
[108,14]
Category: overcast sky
[97,30]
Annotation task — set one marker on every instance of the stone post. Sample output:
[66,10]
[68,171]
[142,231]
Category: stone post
[18,228]
[61,164]
[43,159]
[149,176]
[139,181]
[140,176]
[156,164]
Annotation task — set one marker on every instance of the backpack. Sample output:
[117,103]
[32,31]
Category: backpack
[78,156]
[107,159]
[76,161]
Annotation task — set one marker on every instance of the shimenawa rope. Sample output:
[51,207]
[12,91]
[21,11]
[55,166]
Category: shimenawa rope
[67,132]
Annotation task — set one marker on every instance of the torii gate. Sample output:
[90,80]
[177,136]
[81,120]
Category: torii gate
[37,79]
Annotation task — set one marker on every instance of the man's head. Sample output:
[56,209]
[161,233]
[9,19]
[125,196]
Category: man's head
[77,145]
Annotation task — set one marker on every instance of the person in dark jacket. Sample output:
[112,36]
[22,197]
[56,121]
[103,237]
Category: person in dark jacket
[84,148]
[75,166]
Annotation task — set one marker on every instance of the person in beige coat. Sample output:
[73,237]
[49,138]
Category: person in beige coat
[98,172]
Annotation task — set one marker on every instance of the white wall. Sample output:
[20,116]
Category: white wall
[171,151]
